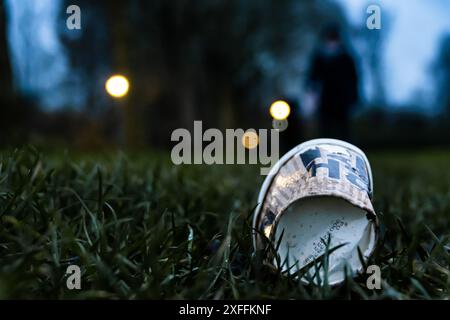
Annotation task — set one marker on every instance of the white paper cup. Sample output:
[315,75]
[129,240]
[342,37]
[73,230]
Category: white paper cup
[318,198]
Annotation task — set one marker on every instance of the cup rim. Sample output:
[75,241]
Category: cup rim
[298,149]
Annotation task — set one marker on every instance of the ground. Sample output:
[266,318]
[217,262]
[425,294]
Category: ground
[140,227]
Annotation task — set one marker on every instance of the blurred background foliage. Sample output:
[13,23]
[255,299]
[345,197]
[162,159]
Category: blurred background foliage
[222,62]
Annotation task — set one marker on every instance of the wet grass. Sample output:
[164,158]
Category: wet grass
[139,227]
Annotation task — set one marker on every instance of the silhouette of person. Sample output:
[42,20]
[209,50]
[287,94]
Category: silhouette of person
[333,78]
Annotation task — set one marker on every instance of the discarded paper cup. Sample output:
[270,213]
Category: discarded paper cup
[318,198]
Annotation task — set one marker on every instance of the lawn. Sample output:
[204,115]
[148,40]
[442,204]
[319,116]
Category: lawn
[140,227]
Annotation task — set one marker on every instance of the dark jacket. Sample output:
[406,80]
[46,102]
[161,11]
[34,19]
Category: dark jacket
[334,77]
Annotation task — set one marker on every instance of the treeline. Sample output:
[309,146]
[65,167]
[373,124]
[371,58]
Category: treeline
[222,62]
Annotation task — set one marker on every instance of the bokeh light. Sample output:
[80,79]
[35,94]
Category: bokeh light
[250,139]
[280,110]
[117,86]
[280,125]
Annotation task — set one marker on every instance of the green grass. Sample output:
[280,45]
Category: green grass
[140,227]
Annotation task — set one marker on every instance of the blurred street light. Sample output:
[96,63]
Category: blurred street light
[250,139]
[117,86]
[280,110]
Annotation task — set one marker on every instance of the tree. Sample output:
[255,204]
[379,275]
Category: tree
[371,44]
[442,75]
[5,64]
[12,114]
[217,60]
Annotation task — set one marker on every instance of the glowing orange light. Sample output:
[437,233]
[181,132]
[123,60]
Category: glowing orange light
[117,86]
[250,139]
[280,110]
